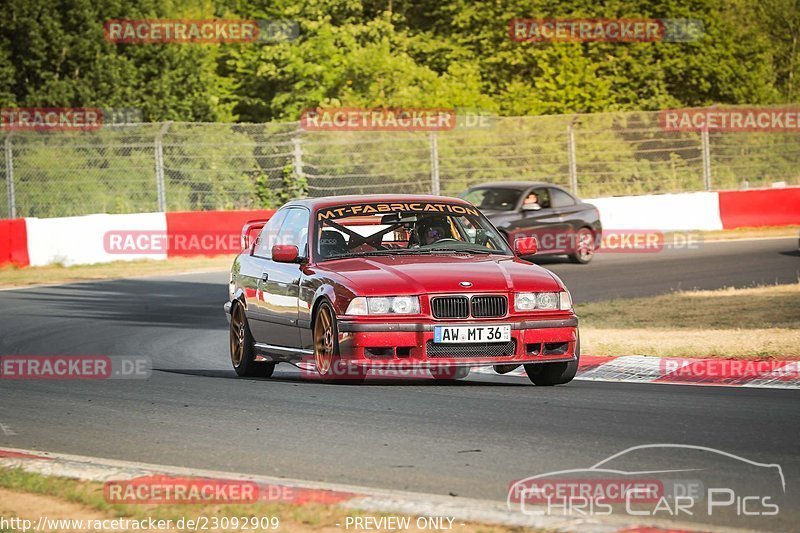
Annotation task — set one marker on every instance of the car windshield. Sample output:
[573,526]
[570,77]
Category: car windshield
[404,229]
[496,199]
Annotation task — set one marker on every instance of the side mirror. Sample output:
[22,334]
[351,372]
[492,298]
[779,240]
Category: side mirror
[285,253]
[526,246]
[250,232]
[531,207]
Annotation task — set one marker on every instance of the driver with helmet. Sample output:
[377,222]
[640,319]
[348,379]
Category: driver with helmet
[432,229]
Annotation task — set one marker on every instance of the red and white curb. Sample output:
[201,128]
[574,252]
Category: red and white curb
[462,510]
[764,374]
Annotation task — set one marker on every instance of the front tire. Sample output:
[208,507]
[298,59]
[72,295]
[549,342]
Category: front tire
[549,374]
[242,349]
[327,359]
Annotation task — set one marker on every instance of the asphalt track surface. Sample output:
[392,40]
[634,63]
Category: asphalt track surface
[472,438]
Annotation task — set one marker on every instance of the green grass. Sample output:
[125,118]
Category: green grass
[11,276]
[758,322]
[293,517]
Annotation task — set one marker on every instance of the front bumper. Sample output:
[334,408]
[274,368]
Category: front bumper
[377,344]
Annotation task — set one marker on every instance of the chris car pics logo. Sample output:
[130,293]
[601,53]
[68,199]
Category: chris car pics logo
[684,481]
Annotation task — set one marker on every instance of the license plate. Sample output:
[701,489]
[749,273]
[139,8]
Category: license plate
[471,334]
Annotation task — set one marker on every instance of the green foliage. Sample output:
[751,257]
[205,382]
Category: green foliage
[378,53]
[291,187]
[53,53]
[384,53]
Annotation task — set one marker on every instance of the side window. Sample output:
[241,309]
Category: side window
[295,230]
[559,198]
[268,235]
[537,199]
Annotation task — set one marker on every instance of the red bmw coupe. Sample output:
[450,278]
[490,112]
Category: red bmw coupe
[342,285]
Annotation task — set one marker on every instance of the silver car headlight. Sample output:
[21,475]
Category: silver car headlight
[384,305]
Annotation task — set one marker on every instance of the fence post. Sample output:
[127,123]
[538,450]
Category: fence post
[9,156]
[573,168]
[160,188]
[435,183]
[706,158]
[297,155]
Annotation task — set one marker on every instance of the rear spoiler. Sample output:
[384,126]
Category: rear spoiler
[249,229]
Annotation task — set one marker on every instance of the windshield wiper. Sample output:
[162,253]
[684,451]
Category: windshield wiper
[359,254]
[440,250]
[458,250]
[416,251]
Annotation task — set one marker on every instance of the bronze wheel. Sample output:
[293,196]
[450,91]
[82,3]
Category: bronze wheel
[242,347]
[324,346]
[237,336]
[327,359]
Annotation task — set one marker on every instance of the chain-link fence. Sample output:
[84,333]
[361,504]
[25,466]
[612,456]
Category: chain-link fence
[188,166]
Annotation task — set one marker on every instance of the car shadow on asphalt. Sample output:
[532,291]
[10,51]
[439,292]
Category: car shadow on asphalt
[482,381]
[158,303]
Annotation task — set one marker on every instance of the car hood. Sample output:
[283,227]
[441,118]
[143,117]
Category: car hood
[392,275]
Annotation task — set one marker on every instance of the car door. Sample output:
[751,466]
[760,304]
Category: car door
[277,298]
[539,220]
[251,268]
[568,211]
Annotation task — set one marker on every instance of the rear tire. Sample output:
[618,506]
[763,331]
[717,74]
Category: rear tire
[585,246]
[549,374]
[242,349]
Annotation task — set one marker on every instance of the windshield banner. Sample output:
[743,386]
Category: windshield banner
[413,207]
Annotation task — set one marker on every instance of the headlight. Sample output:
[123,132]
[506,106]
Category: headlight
[358,306]
[564,301]
[528,301]
[384,305]
[547,300]
[525,301]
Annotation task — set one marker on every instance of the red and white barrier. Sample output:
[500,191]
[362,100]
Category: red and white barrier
[95,238]
[14,242]
[81,240]
[665,212]
[217,231]
[760,207]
